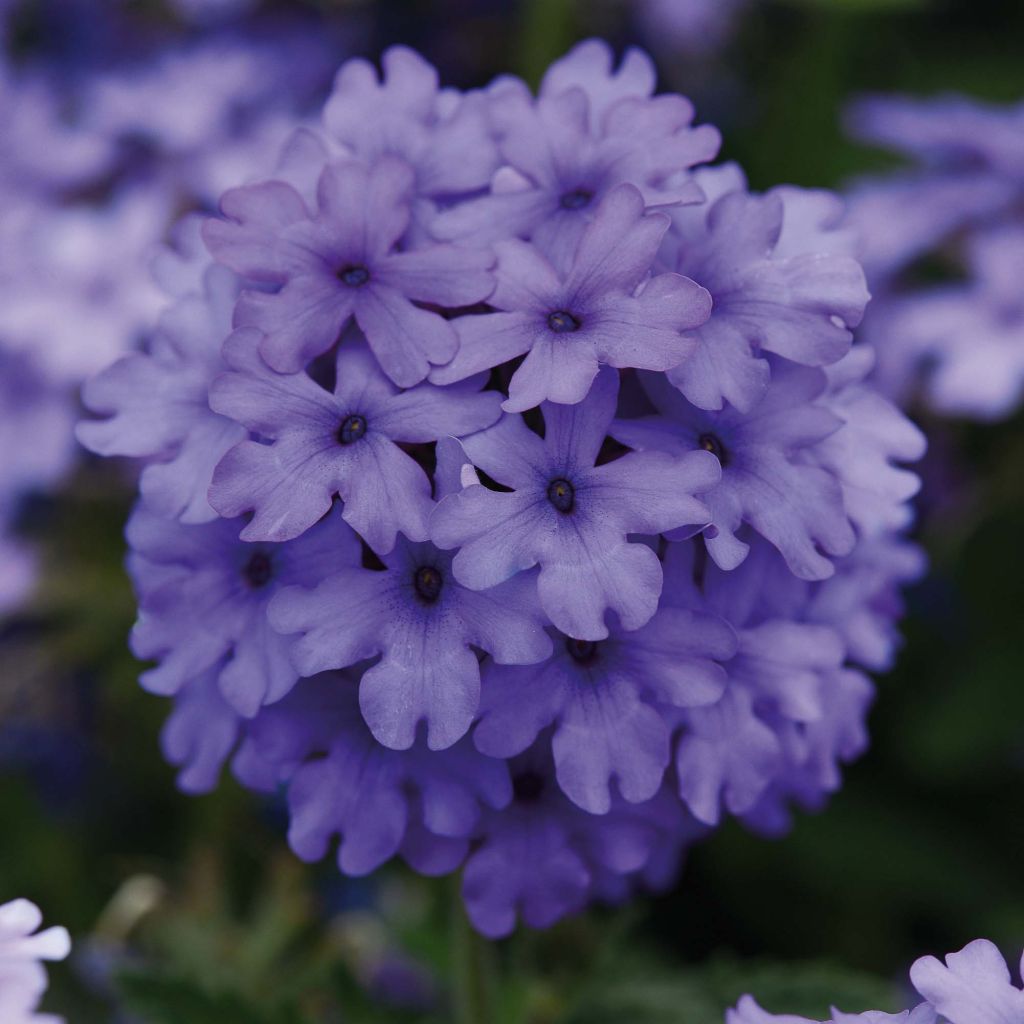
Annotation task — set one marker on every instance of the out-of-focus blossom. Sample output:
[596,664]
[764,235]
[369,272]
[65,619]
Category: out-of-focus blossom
[22,950]
[958,344]
[695,27]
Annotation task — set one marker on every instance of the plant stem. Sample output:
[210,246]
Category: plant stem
[473,969]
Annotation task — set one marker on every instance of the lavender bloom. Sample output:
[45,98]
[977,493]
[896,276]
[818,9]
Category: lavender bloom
[203,596]
[420,803]
[323,443]
[788,711]
[395,635]
[973,986]
[961,341]
[22,976]
[571,517]
[695,26]
[864,453]
[966,340]
[604,699]
[425,625]
[563,152]
[748,1012]
[75,287]
[779,278]
[591,67]
[541,857]
[766,480]
[442,135]
[571,324]
[157,403]
[42,154]
[340,262]
[36,447]
[200,732]
[184,119]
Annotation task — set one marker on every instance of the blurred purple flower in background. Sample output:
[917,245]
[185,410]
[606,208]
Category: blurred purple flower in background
[956,212]
[557,643]
[100,160]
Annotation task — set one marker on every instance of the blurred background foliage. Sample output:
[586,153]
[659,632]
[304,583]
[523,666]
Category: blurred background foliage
[192,909]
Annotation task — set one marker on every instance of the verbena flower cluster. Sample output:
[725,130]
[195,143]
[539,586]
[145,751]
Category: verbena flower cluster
[513,497]
[972,986]
[955,218]
[22,975]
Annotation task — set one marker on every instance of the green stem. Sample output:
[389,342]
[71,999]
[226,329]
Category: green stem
[473,969]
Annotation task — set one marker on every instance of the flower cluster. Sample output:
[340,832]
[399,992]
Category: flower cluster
[959,342]
[22,976]
[513,496]
[972,986]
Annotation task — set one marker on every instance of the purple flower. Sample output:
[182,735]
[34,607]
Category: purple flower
[570,325]
[426,627]
[591,66]
[783,685]
[323,443]
[342,261]
[966,340]
[951,132]
[777,281]
[22,976]
[157,403]
[605,701]
[423,804]
[863,601]
[36,423]
[75,287]
[203,598]
[748,1012]
[863,455]
[971,987]
[541,857]
[695,27]
[571,517]
[767,481]
[560,159]
[442,135]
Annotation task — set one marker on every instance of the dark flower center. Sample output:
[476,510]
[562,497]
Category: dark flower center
[527,787]
[562,495]
[352,429]
[562,322]
[427,582]
[355,275]
[576,199]
[583,652]
[259,570]
[710,443]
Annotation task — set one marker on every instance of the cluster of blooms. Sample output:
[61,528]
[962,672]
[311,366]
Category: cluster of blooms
[958,213]
[101,155]
[973,986]
[513,496]
[22,975]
